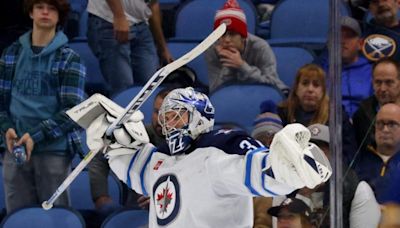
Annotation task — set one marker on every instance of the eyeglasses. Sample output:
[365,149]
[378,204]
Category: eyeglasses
[391,125]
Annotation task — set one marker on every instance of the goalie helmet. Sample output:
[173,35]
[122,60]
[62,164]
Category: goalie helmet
[183,116]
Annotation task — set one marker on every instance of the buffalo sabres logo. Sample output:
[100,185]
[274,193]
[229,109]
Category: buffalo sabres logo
[377,46]
[166,195]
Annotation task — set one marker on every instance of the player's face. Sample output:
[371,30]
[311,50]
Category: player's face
[154,117]
[387,127]
[287,219]
[175,119]
[232,40]
[351,45]
[310,92]
[44,16]
[386,83]
[384,11]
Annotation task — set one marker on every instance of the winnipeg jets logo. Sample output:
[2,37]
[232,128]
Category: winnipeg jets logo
[166,195]
[164,198]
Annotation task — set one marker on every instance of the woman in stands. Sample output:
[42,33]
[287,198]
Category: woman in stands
[308,103]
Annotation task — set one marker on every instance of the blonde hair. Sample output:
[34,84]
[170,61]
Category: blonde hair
[292,103]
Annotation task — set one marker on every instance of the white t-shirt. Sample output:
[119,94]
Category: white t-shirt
[135,10]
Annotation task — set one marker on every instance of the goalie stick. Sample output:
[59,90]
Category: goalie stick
[136,103]
[161,74]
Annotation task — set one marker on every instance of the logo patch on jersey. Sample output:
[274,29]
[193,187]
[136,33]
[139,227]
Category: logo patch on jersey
[166,198]
[377,46]
[158,164]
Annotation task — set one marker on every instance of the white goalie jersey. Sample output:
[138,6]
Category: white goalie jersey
[209,186]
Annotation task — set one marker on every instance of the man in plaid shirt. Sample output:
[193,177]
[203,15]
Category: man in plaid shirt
[40,78]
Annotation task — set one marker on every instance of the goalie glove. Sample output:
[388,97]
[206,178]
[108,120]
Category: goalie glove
[97,113]
[295,161]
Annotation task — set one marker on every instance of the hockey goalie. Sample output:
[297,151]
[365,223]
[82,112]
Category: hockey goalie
[201,177]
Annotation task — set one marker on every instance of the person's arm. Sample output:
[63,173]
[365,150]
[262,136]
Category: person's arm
[263,69]
[120,22]
[290,163]
[71,93]
[98,178]
[365,210]
[6,125]
[156,30]
[5,90]
[217,74]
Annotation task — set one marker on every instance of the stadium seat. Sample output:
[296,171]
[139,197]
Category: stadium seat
[239,104]
[83,23]
[37,217]
[289,60]
[167,4]
[94,79]
[195,18]
[80,195]
[301,22]
[127,218]
[199,65]
[76,25]
[127,95]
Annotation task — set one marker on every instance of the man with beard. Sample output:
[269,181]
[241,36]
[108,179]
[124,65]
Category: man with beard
[382,36]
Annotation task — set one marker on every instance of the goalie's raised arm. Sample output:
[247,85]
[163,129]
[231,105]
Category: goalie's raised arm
[294,161]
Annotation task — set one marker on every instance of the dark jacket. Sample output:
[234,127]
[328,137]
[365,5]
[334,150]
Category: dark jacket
[379,175]
[363,119]
[348,139]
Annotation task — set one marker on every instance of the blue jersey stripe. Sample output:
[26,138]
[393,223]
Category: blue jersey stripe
[128,176]
[143,169]
[263,165]
[249,162]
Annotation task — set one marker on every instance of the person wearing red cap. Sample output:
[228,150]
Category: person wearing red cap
[238,56]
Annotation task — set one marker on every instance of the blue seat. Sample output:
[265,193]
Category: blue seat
[81,198]
[37,217]
[83,23]
[94,79]
[302,22]
[169,4]
[195,18]
[199,65]
[127,217]
[77,19]
[127,95]
[289,60]
[239,104]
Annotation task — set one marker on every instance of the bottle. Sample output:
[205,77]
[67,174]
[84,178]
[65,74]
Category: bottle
[19,154]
